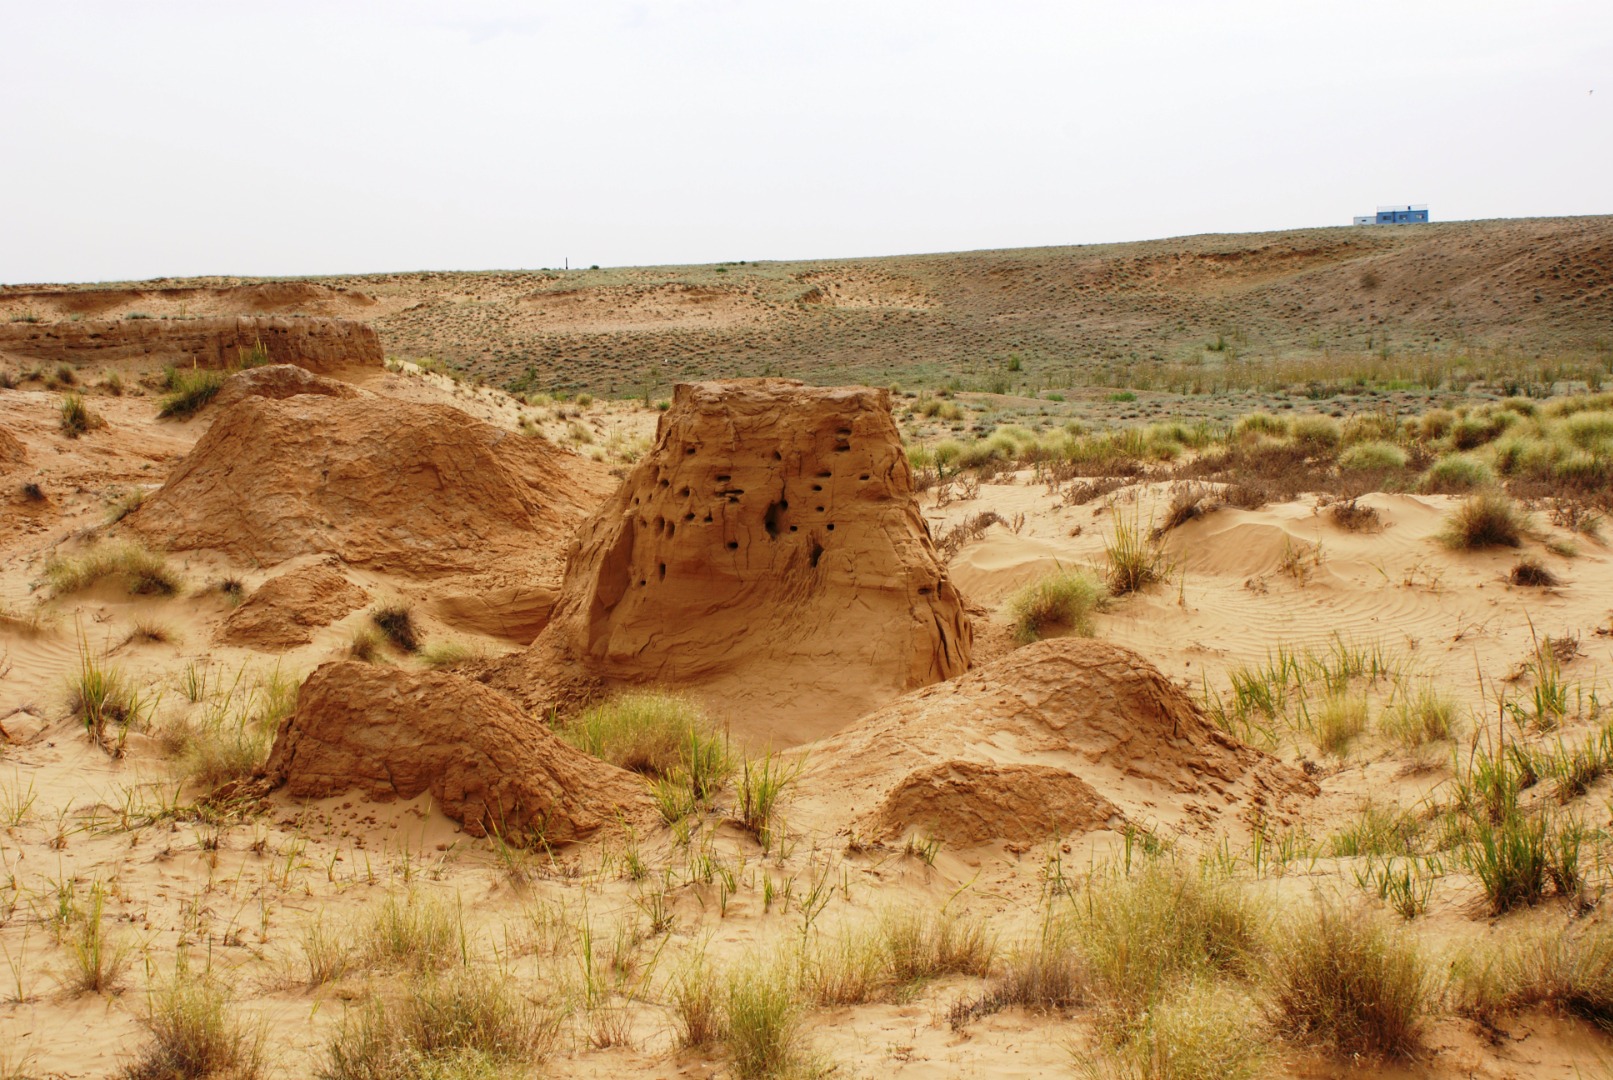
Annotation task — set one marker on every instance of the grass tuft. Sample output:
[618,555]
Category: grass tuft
[1488,519]
[1349,981]
[468,1024]
[76,417]
[1065,600]
[189,391]
[194,1037]
[141,572]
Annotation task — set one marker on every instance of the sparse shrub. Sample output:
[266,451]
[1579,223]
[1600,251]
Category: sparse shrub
[903,950]
[468,1024]
[1456,473]
[1188,501]
[112,383]
[1064,599]
[1354,516]
[102,697]
[194,1037]
[1257,424]
[1373,457]
[1532,573]
[1319,435]
[140,571]
[397,623]
[1488,519]
[77,419]
[1350,981]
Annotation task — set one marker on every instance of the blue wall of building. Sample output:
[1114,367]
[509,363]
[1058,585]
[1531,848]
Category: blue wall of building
[1402,217]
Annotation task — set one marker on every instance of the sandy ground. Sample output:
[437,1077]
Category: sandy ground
[240,899]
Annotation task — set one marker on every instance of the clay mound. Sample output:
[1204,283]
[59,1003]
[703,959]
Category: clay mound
[286,610]
[766,556]
[1061,737]
[316,344]
[280,381]
[409,488]
[387,733]
[13,455]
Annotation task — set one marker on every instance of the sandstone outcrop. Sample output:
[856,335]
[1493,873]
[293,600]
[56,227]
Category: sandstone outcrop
[280,381]
[407,488]
[286,610]
[320,345]
[766,556]
[1058,738]
[386,733]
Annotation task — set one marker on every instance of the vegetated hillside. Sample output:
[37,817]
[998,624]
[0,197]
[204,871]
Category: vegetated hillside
[1030,318]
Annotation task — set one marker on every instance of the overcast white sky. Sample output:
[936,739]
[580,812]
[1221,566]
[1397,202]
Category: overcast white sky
[140,139]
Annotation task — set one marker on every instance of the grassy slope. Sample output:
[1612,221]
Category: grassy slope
[1071,315]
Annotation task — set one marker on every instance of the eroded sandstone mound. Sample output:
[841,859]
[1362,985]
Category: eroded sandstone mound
[407,488]
[766,555]
[280,381]
[386,733]
[1060,737]
[316,344]
[13,455]
[286,610]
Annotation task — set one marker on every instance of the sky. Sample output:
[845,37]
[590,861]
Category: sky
[146,139]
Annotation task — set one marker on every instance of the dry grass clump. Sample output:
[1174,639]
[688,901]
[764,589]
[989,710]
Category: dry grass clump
[95,958]
[664,736]
[697,1010]
[77,419]
[1188,501]
[1150,933]
[442,654]
[1532,573]
[414,933]
[194,1036]
[1565,969]
[467,1024]
[229,737]
[1338,721]
[367,644]
[1488,519]
[1352,516]
[1373,457]
[102,697]
[1455,474]
[891,960]
[189,391]
[396,622]
[1421,718]
[1063,600]
[1135,562]
[762,1023]
[141,572]
[1349,981]
[1202,1033]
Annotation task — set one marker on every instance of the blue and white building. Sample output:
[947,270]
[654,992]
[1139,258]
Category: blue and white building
[1399,214]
